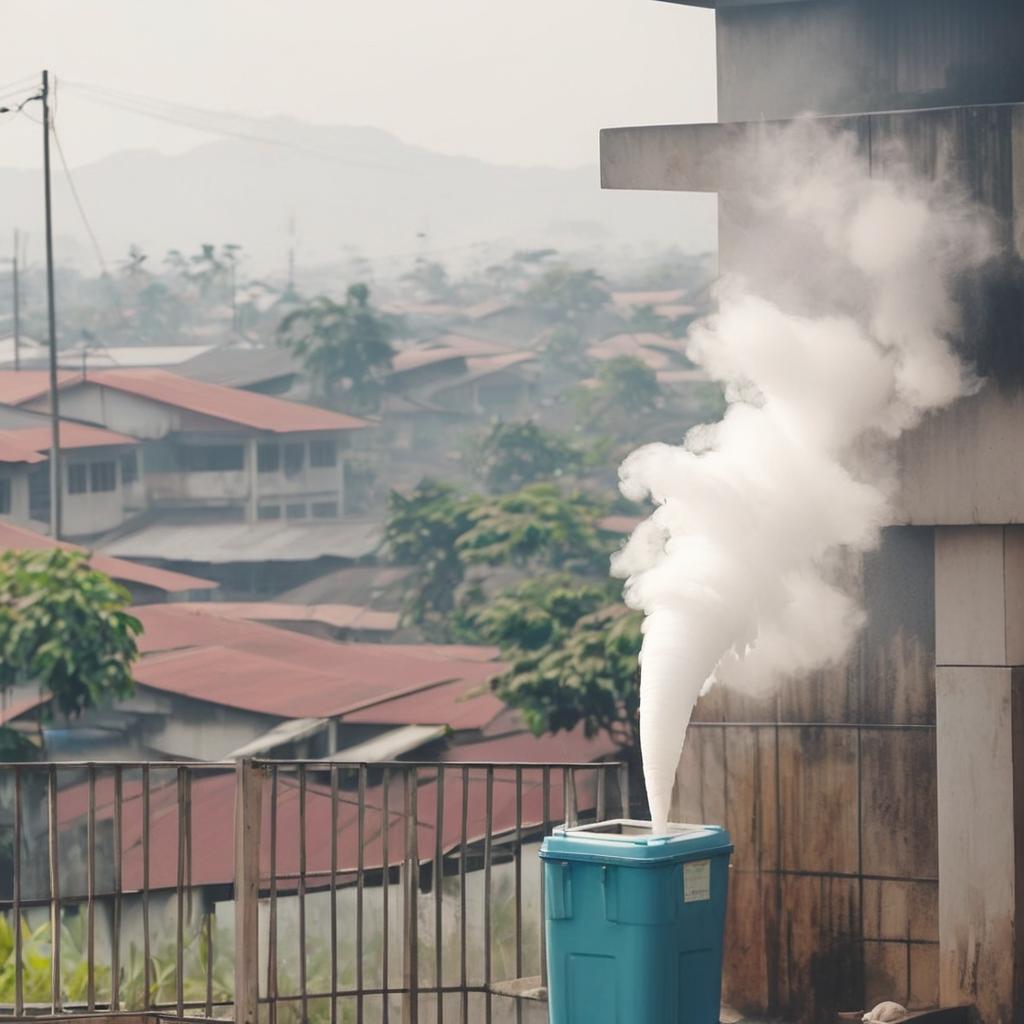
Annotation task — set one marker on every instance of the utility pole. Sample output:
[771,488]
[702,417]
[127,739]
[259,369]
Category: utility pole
[17,304]
[56,478]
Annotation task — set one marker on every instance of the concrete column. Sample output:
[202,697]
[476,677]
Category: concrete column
[252,465]
[979,609]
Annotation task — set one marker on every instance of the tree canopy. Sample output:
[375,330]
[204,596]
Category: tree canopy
[512,455]
[337,342]
[64,626]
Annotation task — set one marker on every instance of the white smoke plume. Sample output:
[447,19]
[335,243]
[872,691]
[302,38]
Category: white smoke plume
[837,343]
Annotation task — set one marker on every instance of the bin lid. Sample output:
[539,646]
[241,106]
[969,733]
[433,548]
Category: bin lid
[624,841]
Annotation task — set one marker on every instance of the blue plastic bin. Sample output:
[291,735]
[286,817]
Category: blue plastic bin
[635,923]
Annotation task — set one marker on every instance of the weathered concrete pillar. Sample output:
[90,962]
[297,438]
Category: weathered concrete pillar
[979,608]
[253,473]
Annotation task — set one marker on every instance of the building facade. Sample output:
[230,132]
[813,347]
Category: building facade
[878,807]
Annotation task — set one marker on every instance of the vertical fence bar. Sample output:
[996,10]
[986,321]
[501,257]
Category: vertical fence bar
[303,981]
[334,894]
[90,894]
[19,991]
[601,808]
[147,978]
[519,873]
[439,893]
[488,894]
[179,899]
[411,959]
[248,808]
[118,871]
[545,783]
[208,925]
[54,852]
[624,790]
[360,885]
[572,816]
[463,854]
[385,860]
[272,978]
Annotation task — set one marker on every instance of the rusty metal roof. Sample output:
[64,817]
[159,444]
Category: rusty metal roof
[340,616]
[18,538]
[460,705]
[212,804]
[291,675]
[72,436]
[14,449]
[20,386]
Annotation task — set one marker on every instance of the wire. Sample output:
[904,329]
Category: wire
[192,117]
[78,199]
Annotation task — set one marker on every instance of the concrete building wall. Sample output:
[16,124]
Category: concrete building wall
[16,476]
[850,56]
[94,510]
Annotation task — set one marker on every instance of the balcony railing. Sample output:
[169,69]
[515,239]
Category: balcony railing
[282,891]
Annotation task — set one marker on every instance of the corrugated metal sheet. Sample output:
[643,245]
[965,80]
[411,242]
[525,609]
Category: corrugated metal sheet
[392,745]
[460,705]
[244,408]
[271,541]
[340,616]
[20,386]
[290,675]
[18,702]
[72,436]
[17,538]
[212,805]
[527,748]
[14,449]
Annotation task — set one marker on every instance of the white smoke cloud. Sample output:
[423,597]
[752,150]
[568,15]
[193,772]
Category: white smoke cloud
[842,345]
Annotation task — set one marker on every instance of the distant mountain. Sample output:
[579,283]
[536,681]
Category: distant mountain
[353,191]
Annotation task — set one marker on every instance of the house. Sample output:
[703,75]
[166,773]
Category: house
[212,686]
[209,448]
[267,369]
[145,583]
[99,469]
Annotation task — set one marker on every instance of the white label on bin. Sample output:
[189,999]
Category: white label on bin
[697,881]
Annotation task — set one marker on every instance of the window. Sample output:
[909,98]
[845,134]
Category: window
[5,496]
[324,509]
[78,478]
[295,511]
[268,457]
[39,493]
[323,453]
[103,476]
[268,512]
[213,458]
[129,467]
[294,458]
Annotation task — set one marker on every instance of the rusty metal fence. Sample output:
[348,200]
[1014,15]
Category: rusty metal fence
[281,891]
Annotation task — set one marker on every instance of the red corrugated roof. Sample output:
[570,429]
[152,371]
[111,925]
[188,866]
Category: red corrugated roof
[10,710]
[340,616]
[20,386]
[13,449]
[460,705]
[261,412]
[17,538]
[72,435]
[287,674]
[212,812]
[526,748]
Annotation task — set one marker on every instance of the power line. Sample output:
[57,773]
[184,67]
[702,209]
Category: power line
[78,200]
[192,117]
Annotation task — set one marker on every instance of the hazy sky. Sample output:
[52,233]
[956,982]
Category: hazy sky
[523,82]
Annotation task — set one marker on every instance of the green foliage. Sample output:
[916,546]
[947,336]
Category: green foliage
[588,672]
[64,626]
[422,530]
[14,746]
[512,455]
[565,294]
[350,341]
[628,384]
[536,614]
[536,525]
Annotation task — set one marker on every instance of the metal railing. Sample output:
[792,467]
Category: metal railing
[280,891]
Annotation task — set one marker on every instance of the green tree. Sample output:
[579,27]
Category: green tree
[63,625]
[536,526]
[577,662]
[350,342]
[512,455]
[430,280]
[423,530]
[566,294]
